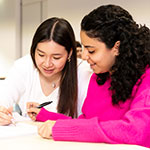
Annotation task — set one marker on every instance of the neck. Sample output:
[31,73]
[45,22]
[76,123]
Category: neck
[53,79]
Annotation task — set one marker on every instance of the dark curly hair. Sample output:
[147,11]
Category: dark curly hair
[109,24]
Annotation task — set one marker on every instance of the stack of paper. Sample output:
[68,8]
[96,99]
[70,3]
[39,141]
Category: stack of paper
[20,128]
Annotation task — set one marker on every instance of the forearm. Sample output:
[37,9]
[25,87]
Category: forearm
[45,115]
[132,129]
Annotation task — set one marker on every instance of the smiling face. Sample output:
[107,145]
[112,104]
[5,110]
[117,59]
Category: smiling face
[50,58]
[100,58]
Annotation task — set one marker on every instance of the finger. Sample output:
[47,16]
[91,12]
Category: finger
[47,132]
[32,104]
[32,116]
[5,118]
[4,122]
[44,130]
[4,110]
[10,109]
[29,114]
[29,105]
[33,110]
[40,129]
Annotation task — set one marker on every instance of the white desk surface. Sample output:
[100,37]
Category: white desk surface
[35,142]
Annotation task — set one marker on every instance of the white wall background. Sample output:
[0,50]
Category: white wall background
[72,10]
[139,9]
[16,34]
[8,34]
[30,21]
[75,10]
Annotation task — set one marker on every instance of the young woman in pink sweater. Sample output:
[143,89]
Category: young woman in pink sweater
[117,106]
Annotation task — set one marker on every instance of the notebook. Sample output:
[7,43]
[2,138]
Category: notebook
[19,129]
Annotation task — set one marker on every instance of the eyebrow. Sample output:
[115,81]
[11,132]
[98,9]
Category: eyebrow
[87,46]
[40,50]
[44,52]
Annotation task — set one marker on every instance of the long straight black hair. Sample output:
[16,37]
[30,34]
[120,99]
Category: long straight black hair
[60,31]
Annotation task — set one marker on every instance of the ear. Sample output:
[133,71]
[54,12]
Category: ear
[116,48]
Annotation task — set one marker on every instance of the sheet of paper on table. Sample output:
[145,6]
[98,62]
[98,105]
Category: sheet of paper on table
[19,129]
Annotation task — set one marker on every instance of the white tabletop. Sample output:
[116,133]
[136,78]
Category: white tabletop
[33,141]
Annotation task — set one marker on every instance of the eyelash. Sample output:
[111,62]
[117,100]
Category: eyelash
[41,55]
[53,57]
[91,52]
[56,57]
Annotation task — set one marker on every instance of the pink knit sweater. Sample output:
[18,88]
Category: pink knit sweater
[103,122]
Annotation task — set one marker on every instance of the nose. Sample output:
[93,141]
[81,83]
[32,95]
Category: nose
[85,54]
[48,62]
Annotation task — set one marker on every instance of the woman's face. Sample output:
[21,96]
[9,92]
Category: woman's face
[100,58]
[50,58]
[79,52]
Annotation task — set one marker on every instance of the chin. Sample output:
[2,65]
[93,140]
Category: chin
[97,72]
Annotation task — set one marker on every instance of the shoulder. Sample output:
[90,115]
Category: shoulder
[22,66]
[142,87]
[25,60]
[141,90]
[147,72]
[145,78]
[93,79]
[84,71]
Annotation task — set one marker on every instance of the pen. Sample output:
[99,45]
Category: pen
[44,104]
[13,122]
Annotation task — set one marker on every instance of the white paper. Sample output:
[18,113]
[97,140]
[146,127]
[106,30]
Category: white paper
[19,118]
[19,129]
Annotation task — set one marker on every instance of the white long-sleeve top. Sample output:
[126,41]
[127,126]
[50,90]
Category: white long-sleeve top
[22,85]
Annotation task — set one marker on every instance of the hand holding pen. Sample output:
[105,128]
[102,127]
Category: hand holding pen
[44,104]
[6,117]
[33,109]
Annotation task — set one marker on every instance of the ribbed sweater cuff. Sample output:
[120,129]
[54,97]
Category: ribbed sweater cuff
[40,116]
[85,130]
[45,115]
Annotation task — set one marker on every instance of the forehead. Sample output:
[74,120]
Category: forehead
[86,39]
[90,42]
[50,47]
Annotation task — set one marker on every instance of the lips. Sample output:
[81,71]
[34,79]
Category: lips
[48,71]
[92,64]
